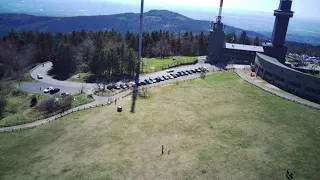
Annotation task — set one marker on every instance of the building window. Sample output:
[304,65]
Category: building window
[313,90]
[267,73]
[280,79]
[294,84]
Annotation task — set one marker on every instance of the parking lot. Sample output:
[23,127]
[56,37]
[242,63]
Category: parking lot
[169,75]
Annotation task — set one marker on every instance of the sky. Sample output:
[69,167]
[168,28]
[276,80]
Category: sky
[306,8]
[197,9]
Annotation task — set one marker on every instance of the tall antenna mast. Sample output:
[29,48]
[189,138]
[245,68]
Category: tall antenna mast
[219,18]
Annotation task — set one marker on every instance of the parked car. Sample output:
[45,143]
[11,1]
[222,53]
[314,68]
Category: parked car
[39,76]
[174,76]
[170,70]
[161,78]
[129,85]
[110,87]
[143,83]
[54,90]
[187,71]
[199,70]
[148,81]
[165,77]
[123,86]
[170,76]
[178,74]
[134,84]
[153,80]
[116,86]
[139,83]
[64,94]
[205,69]
[47,90]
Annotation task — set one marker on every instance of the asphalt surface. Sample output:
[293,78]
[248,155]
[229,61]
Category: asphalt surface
[75,87]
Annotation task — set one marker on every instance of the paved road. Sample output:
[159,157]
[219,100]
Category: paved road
[74,87]
[98,101]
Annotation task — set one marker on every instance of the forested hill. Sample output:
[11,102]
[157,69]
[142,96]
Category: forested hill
[154,20]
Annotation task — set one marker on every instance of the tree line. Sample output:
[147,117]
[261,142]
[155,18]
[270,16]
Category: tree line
[105,53]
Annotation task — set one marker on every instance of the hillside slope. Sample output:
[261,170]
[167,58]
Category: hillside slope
[153,20]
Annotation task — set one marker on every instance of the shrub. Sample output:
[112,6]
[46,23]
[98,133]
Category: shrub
[34,101]
[65,103]
[47,105]
[3,103]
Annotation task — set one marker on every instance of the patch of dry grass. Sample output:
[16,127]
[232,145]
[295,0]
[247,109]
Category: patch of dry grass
[218,128]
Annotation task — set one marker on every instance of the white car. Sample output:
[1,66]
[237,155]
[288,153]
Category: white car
[47,90]
[39,76]
[170,77]
[170,71]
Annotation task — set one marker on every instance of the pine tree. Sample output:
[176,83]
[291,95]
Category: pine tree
[256,41]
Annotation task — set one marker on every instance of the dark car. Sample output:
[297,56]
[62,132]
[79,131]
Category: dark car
[174,76]
[194,70]
[110,87]
[166,77]
[178,75]
[158,79]
[153,80]
[148,81]
[54,90]
[143,83]
[184,73]
[139,83]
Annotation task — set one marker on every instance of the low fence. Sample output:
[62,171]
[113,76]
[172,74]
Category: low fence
[112,100]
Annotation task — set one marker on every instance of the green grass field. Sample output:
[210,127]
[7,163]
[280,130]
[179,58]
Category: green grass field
[154,64]
[289,59]
[217,128]
[18,107]
[81,99]
[82,77]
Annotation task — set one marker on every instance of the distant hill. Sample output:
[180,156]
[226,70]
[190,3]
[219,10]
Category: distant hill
[153,20]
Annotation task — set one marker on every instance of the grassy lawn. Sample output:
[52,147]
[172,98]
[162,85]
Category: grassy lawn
[18,107]
[289,59]
[158,63]
[81,99]
[218,128]
[82,77]
[105,93]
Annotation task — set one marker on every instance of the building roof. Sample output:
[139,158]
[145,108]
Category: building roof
[276,62]
[244,47]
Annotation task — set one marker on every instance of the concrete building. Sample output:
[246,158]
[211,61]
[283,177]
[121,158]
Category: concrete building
[268,59]
[220,52]
[287,79]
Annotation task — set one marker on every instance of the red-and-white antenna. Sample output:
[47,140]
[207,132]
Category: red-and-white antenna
[219,18]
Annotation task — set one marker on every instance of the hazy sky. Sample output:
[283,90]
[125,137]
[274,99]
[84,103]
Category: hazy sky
[308,8]
[198,9]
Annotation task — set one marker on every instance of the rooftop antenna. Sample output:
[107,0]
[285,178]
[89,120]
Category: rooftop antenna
[219,18]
